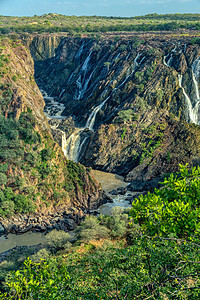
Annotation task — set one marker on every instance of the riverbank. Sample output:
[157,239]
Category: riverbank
[115,194]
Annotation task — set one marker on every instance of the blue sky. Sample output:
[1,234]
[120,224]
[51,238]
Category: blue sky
[97,7]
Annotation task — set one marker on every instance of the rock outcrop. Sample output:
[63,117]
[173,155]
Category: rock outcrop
[139,86]
[35,176]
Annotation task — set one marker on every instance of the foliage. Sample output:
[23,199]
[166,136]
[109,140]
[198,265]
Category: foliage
[3,179]
[173,210]
[117,223]
[43,279]
[42,254]
[91,24]
[148,268]
[127,115]
[90,228]
[57,240]
[33,167]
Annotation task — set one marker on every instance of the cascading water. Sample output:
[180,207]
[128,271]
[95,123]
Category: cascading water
[193,118]
[169,57]
[196,86]
[196,75]
[80,51]
[193,112]
[91,119]
[192,103]
[72,145]
[53,109]
[64,143]
[82,82]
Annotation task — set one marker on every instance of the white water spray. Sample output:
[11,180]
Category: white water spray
[53,109]
[64,143]
[72,145]
[192,111]
[167,61]
[91,119]
[82,82]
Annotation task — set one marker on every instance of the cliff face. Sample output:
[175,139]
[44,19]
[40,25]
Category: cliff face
[34,173]
[18,88]
[134,93]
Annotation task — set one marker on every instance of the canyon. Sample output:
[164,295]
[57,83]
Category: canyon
[125,104]
[127,100]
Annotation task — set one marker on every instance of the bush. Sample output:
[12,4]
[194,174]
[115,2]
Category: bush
[7,208]
[38,281]
[151,268]
[57,240]
[3,168]
[117,223]
[126,116]
[90,229]
[42,254]
[23,204]
[46,154]
[3,179]
[174,209]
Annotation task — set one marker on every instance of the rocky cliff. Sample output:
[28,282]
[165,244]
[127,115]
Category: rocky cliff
[129,99]
[35,176]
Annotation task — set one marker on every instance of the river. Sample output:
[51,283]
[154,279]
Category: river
[108,181]
[111,182]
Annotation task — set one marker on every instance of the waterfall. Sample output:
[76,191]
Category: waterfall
[62,92]
[64,143]
[167,62]
[196,86]
[82,82]
[196,75]
[192,111]
[72,145]
[83,90]
[91,120]
[80,51]
[52,109]
[81,146]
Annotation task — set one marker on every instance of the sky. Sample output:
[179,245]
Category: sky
[123,8]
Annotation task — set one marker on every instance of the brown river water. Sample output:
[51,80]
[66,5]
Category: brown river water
[108,181]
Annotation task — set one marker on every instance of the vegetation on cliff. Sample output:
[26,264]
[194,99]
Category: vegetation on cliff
[116,257]
[72,24]
[34,174]
[152,253]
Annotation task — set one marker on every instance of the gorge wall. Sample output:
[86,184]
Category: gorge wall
[35,176]
[130,100]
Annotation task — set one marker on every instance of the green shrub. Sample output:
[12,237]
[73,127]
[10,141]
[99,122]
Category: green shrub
[42,254]
[38,281]
[3,179]
[7,208]
[126,116]
[117,223]
[46,154]
[172,210]
[3,168]
[23,204]
[90,229]
[149,268]
[58,239]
